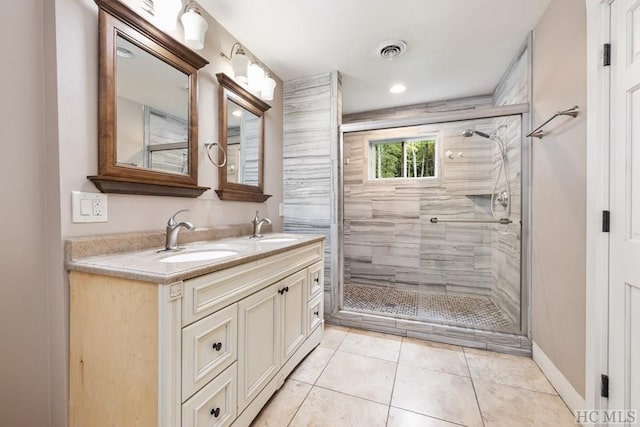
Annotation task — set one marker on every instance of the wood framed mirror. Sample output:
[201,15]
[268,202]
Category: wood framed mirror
[241,123]
[148,118]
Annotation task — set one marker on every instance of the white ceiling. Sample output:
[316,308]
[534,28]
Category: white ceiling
[456,48]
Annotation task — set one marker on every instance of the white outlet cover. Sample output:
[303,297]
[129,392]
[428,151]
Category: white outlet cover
[88,207]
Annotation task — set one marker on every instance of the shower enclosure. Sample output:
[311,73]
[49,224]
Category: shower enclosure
[433,223]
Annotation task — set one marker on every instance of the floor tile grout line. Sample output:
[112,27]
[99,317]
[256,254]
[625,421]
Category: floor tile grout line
[353,395]
[425,415]
[475,393]
[300,406]
[395,377]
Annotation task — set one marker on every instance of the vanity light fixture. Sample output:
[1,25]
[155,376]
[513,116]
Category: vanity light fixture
[250,73]
[239,63]
[195,26]
[256,75]
[268,86]
[398,88]
[165,13]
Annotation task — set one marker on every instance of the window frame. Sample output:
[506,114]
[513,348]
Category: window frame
[432,136]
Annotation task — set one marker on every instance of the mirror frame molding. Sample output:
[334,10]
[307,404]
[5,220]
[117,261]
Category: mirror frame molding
[115,18]
[230,90]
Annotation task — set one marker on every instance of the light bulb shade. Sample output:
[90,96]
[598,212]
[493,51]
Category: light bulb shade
[240,66]
[195,27]
[166,13]
[268,86]
[256,75]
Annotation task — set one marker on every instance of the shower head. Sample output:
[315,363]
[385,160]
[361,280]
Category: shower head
[470,132]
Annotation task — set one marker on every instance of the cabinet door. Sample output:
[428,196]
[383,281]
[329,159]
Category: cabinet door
[259,345]
[294,313]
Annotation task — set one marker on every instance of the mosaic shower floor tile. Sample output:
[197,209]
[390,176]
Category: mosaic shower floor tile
[476,311]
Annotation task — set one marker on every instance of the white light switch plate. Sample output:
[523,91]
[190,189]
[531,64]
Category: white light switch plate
[88,207]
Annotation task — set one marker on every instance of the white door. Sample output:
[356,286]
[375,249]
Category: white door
[624,271]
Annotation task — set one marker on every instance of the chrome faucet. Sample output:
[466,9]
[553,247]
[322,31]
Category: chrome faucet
[173,228]
[257,225]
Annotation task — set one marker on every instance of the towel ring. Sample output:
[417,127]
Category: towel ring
[208,146]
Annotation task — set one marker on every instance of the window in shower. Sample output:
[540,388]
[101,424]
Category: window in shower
[410,158]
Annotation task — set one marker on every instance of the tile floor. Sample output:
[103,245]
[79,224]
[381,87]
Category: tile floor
[366,379]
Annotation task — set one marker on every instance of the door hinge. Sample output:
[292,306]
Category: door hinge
[605,221]
[606,54]
[604,385]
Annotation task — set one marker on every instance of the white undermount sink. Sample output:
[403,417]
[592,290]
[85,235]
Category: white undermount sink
[200,256]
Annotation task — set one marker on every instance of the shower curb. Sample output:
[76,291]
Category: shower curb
[515,344]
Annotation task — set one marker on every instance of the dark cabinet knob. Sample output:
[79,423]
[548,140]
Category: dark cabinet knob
[281,291]
[217,346]
[215,412]
[317,280]
[286,289]
[317,312]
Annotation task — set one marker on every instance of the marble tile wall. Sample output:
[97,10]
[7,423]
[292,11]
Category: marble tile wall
[418,109]
[312,116]
[506,245]
[388,239]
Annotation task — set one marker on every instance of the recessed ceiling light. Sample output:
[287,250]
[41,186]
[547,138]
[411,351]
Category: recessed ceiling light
[124,53]
[237,113]
[399,88]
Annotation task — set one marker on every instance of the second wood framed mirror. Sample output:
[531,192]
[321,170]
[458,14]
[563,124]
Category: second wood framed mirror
[241,122]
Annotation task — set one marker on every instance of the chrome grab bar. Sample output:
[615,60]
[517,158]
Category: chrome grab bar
[479,221]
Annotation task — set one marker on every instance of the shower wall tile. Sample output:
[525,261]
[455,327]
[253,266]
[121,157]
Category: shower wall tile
[513,88]
[392,218]
[311,118]
[418,109]
[506,294]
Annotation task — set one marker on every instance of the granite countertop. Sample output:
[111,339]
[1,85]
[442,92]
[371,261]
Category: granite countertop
[147,265]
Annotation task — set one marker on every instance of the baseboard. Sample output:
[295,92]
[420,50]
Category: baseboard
[564,388]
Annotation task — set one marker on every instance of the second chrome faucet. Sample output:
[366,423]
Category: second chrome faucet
[257,225]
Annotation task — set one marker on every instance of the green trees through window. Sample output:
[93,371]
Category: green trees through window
[414,158]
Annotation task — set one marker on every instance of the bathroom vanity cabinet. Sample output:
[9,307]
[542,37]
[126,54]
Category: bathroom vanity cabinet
[207,350]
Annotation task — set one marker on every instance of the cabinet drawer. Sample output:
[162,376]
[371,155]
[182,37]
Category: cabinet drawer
[316,279]
[315,313]
[206,294]
[215,404]
[208,347]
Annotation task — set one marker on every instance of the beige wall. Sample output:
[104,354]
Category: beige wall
[559,190]
[24,330]
[77,85]
[49,135]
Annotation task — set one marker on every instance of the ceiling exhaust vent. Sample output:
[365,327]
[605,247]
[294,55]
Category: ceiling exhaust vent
[391,49]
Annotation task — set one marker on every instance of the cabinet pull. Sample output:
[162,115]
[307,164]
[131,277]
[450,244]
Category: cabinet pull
[281,291]
[215,412]
[317,280]
[217,346]
[286,289]
[317,312]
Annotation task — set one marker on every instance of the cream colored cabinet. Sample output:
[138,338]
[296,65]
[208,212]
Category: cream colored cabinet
[207,351]
[259,342]
[272,327]
[294,317]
